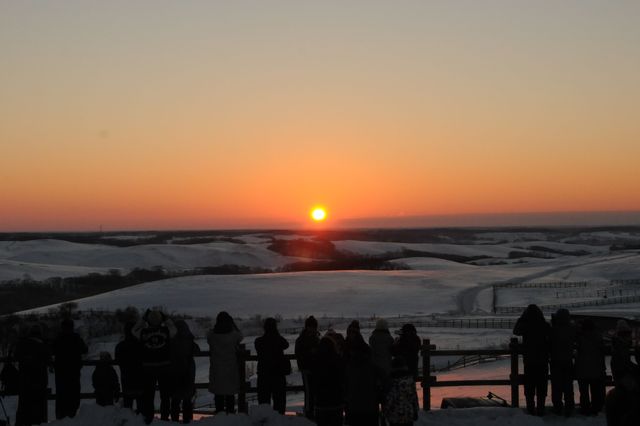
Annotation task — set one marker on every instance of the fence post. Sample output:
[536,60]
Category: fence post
[426,374]
[243,353]
[514,377]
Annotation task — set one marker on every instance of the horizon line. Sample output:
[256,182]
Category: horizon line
[566,219]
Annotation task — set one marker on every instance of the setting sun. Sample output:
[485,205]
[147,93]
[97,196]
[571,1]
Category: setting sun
[318,214]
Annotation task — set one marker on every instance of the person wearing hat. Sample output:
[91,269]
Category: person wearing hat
[305,350]
[562,340]
[68,349]
[590,368]
[33,356]
[155,331]
[408,346]
[273,366]
[381,343]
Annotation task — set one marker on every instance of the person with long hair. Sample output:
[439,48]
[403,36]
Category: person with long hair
[183,372]
[535,332]
[224,369]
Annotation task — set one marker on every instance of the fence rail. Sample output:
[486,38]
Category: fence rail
[585,303]
[551,284]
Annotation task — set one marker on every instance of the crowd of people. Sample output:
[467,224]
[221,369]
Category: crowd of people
[341,375]
[346,378]
[564,352]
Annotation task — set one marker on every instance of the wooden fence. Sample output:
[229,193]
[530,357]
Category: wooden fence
[427,380]
[586,303]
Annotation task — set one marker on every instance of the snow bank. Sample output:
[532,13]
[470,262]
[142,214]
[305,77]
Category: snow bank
[264,416]
[46,258]
[501,417]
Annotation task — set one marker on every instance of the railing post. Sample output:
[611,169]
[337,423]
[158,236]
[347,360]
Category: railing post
[243,353]
[426,374]
[514,377]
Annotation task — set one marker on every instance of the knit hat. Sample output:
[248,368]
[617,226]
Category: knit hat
[154,318]
[382,324]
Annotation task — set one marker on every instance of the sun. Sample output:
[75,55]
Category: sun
[318,214]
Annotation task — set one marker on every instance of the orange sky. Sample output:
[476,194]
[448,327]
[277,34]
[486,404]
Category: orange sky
[197,115]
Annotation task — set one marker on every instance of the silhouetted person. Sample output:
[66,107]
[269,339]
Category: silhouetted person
[305,350]
[224,369]
[590,368]
[328,382]
[400,404]
[183,372]
[363,382]
[68,349]
[105,381]
[353,336]
[128,355]
[622,402]
[535,345]
[338,339]
[155,331]
[562,342]
[273,367]
[33,357]
[408,347]
[10,378]
[9,375]
[381,343]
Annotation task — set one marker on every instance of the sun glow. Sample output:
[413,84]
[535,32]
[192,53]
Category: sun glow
[318,214]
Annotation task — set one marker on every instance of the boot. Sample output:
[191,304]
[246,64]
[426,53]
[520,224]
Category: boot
[531,405]
[540,406]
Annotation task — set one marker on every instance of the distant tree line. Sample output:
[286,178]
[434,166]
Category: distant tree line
[26,293]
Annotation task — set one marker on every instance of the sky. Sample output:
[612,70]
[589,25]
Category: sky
[211,114]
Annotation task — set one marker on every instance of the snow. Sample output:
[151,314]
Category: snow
[432,288]
[46,258]
[264,416]
[377,248]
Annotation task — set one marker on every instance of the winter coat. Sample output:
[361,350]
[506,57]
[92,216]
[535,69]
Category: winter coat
[400,404]
[623,370]
[156,342]
[408,346]
[128,355]
[224,368]
[363,385]
[328,381]
[183,366]
[562,340]
[105,383]
[68,349]
[535,340]
[10,378]
[589,361]
[271,360]
[381,343]
[33,357]
[306,347]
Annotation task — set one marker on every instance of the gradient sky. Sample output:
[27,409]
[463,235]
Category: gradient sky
[201,114]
